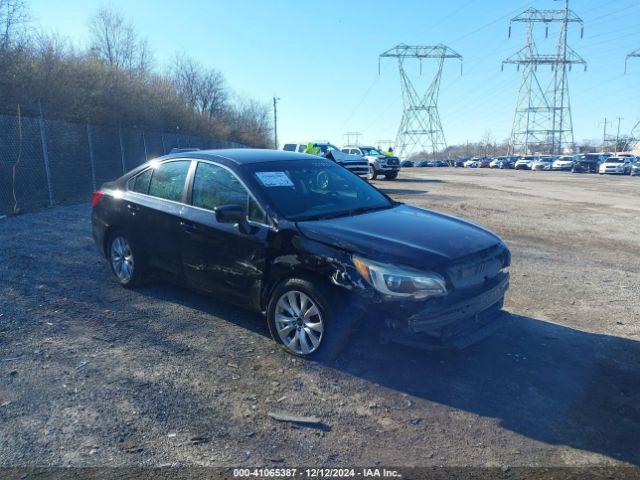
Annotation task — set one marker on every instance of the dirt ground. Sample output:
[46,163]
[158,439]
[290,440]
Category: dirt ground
[92,374]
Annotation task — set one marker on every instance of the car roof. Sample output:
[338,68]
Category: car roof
[241,156]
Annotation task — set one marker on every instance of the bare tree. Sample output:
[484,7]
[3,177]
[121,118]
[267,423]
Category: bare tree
[13,16]
[204,91]
[212,94]
[185,75]
[115,42]
[112,83]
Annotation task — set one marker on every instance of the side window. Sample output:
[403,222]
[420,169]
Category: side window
[214,186]
[256,214]
[302,148]
[289,147]
[168,180]
[140,183]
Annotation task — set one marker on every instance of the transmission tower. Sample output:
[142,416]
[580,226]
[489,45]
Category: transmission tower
[542,119]
[420,128]
[634,136]
[356,135]
[635,53]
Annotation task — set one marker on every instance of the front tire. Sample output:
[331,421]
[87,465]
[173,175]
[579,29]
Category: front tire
[308,320]
[391,176]
[372,175]
[126,265]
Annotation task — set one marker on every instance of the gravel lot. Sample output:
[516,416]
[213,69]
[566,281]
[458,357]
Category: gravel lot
[92,374]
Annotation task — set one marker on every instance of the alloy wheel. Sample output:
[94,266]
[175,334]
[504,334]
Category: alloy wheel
[122,258]
[298,322]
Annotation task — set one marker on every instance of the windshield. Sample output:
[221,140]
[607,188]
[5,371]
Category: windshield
[313,190]
[370,151]
[615,160]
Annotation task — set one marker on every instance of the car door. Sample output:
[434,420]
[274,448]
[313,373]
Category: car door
[158,212]
[224,259]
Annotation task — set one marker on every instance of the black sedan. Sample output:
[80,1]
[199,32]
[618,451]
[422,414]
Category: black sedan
[309,244]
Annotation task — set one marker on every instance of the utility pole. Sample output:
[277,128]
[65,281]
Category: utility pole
[604,134]
[542,119]
[420,128]
[275,121]
[618,134]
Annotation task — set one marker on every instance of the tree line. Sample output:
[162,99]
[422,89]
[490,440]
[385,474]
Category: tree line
[115,81]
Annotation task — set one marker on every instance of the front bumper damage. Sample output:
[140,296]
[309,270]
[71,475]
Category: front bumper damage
[456,323]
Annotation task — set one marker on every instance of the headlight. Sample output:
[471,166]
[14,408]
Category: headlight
[400,282]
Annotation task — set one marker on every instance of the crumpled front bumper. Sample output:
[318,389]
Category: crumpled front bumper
[457,324]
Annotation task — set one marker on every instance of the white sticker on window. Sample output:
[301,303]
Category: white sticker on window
[274,179]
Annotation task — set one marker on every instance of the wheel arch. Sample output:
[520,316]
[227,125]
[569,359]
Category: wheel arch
[279,275]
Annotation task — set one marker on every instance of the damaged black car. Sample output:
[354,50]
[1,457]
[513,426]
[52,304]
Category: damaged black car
[316,249]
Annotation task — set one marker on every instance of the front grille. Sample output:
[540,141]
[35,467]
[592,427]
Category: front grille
[474,270]
[393,161]
[359,168]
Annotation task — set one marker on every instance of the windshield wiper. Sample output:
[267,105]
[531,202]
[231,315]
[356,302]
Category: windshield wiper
[360,210]
[343,213]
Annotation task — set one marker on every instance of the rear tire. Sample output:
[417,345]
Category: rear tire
[124,260]
[308,319]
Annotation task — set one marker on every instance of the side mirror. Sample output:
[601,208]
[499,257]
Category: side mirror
[230,214]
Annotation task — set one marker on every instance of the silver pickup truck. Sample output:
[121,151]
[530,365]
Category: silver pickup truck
[353,163]
[379,163]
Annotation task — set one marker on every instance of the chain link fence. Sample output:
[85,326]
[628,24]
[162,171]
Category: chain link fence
[49,162]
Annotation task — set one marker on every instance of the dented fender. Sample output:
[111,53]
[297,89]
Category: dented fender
[301,255]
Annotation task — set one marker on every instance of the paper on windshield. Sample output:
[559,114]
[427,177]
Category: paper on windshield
[274,179]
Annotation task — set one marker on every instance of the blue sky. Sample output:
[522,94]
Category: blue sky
[321,58]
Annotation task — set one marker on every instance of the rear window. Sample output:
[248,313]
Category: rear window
[168,180]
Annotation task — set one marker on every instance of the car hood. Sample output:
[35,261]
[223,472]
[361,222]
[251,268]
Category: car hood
[339,156]
[405,235]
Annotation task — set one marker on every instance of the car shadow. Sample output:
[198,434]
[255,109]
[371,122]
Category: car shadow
[541,380]
[548,382]
[181,295]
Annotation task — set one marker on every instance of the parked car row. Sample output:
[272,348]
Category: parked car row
[370,163]
[602,163]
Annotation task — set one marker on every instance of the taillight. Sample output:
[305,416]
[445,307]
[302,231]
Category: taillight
[96,197]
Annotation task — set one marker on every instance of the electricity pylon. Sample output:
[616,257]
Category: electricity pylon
[542,119]
[634,135]
[420,128]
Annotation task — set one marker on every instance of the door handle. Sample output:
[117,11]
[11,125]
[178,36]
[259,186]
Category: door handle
[190,227]
[133,208]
